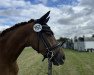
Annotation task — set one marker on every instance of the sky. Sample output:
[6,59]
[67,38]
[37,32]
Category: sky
[68,18]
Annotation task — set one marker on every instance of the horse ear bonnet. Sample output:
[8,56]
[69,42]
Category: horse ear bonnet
[44,19]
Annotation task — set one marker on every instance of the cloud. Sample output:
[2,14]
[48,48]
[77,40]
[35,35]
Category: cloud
[66,20]
[87,3]
[15,13]
[3,27]
[78,19]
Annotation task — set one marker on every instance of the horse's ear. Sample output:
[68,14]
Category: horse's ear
[47,19]
[44,19]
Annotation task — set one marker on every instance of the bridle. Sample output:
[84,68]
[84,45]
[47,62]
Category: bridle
[49,53]
[50,50]
[41,28]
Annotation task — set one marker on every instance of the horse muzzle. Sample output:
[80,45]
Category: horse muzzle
[58,59]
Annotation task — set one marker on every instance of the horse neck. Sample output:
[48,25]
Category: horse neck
[16,42]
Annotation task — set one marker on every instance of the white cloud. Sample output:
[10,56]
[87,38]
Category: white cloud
[65,20]
[3,27]
[27,12]
[79,19]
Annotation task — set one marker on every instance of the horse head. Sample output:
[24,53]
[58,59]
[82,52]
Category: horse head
[45,42]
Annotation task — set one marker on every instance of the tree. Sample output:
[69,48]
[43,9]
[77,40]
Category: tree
[62,39]
[92,35]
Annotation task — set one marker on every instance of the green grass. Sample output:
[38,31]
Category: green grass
[77,63]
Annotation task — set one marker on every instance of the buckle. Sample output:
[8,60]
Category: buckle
[50,54]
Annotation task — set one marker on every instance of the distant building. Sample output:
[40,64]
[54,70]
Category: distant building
[84,43]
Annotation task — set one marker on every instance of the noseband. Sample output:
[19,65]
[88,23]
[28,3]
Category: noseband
[49,53]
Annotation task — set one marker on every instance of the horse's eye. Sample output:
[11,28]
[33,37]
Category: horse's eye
[49,33]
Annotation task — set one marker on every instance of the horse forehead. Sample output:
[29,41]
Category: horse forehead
[45,27]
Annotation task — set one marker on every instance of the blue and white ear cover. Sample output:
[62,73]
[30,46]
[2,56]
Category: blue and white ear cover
[37,27]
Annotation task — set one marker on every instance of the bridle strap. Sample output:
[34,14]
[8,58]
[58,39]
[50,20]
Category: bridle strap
[47,45]
[40,36]
[48,52]
[45,42]
[38,41]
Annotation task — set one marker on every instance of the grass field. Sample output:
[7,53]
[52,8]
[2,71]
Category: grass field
[77,63]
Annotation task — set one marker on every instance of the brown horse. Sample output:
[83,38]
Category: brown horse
[13,40]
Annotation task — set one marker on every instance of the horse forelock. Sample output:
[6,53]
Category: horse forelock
[14,27]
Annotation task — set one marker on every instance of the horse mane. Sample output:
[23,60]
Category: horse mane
[15,27]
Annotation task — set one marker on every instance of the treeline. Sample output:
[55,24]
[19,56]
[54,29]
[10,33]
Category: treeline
[67,42]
